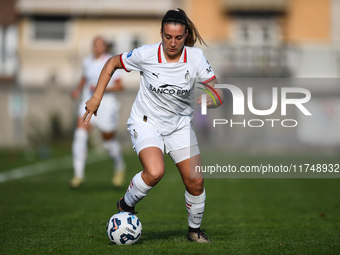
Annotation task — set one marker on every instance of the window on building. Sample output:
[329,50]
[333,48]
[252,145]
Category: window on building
[50,28]
[250,31]
[8,47]
[136,42]
[257,47]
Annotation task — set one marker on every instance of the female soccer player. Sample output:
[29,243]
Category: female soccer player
[107,120]
[161,114]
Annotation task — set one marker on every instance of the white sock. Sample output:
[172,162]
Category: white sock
[79,151]
[136,191]
[115,151]
[195,208]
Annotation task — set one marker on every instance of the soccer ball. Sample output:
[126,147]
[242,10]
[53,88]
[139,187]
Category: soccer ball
[124,228]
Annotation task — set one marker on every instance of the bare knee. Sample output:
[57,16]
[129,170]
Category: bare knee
[194,186]
[108,135]
[153,165]
[152,175]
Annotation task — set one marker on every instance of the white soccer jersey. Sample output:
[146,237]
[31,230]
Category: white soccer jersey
[166,94]
[92,68]
[107,118]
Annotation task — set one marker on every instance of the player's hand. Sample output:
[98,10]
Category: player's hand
[210,101]
[91,108]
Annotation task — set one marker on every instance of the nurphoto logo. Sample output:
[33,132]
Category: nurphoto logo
[239,104]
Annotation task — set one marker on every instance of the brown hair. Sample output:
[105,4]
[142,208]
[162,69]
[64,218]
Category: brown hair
[180,17]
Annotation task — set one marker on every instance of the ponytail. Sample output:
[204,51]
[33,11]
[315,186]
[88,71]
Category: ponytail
[179,16]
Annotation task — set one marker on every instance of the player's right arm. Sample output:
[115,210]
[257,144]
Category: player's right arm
[92,105]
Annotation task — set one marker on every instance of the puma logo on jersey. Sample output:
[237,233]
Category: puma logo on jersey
[155,74]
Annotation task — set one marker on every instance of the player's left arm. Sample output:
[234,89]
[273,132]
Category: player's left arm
[216,93]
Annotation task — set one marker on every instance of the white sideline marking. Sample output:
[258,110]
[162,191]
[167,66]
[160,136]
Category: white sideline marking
[46,166]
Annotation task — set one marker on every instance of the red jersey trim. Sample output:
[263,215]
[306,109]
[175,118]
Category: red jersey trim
[159,53]
[209,80]
[121,61]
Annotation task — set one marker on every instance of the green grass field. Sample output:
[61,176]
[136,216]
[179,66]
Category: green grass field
[41,215]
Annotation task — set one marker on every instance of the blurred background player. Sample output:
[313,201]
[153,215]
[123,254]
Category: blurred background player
[107,120]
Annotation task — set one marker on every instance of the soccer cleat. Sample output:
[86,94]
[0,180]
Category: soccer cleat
[198,237]
[76,182]
[125,208]
[118,179]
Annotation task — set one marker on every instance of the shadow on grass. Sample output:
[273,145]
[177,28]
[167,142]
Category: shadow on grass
[99,187]
[176,235]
